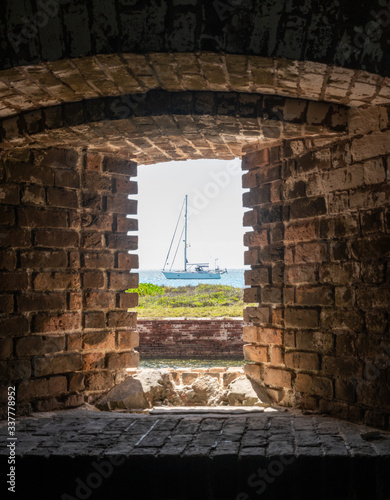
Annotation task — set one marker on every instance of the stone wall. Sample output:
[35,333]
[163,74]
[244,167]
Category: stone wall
[191,338]
[319,253]
[337,33]
[65,332]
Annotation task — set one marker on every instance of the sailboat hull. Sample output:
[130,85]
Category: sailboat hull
[182,275]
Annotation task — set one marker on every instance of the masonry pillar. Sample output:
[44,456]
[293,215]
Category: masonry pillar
[65,333]
[319,254]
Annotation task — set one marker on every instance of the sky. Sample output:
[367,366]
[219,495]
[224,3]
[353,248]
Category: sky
[214,212]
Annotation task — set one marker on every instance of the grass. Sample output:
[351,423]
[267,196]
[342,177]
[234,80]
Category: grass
[199,301]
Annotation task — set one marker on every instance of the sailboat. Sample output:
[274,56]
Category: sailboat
[195,271]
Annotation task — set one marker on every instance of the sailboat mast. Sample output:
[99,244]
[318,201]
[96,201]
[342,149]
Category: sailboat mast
[185,237]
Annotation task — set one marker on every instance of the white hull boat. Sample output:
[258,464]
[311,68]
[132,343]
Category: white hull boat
[198,271]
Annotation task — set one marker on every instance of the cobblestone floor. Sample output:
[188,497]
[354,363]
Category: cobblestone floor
[223,452]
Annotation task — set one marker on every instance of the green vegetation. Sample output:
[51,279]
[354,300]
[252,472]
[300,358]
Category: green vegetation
[189,301]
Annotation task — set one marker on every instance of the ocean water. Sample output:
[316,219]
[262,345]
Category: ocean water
[234,277]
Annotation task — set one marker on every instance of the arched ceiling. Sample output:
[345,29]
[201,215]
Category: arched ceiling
[162,126]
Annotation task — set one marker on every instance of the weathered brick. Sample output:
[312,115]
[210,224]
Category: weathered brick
[367,197]
[120,166]
[307,207]
[271,295]
[302,360]
[56,239]
[117,361]
[314,296]
[128,300]
[377,247]
[301,274]
[277,378]
[40,258]
[342,319]
[370,146]
[128,339]
[125,186]
[255,159]
[342,367]
[319,160]
[255,353]
[6,348]
[125,224]
[59,363]
[58,197]
[66,179]
[93,300]
[33,195]
[256,239]
[17,281]
[310,252]
[372,222]
[251,295]
[122,281]
[9,194]
[344,297]
[14,370]
[41,301]
[8,260]
[320,342]
[6,303]
[93,361]
[122,319]
[345,390]
[339,274]
[94,319]
[94,181]
[257,196]
[99,381]
[257,315]
[249,218]
[76,382]
[373,272]
[7,216]
[121,205]
[56,281]
[99,340]
[49,322]
[258,276]
[317,386]
[41,388]
[24,172]
[373,297]
[93,279]
[92,260]
[34,217]
[338,227]
[19,238]
[37,345]
[122,242]
[300,231]
[301,318]
[127,261]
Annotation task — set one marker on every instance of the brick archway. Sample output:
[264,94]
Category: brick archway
[79,112]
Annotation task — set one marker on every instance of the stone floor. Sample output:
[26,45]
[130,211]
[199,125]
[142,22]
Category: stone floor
[80,454]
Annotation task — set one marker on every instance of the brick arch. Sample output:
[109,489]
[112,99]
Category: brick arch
[163,126]
[319,208]
[27,88]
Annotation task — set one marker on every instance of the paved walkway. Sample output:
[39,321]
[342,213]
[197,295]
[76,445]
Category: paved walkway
[259,455]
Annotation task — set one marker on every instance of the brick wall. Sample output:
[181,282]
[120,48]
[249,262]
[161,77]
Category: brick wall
[65,333]
[319,252]
[190,338]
